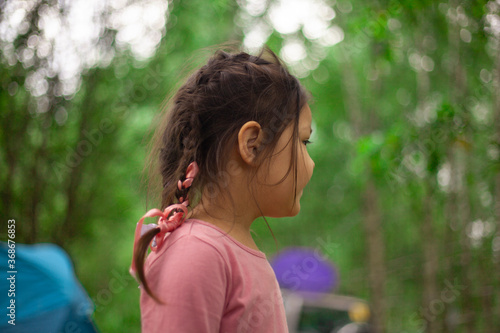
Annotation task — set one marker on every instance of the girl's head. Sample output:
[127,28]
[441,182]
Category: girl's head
[207,113]
[237,114]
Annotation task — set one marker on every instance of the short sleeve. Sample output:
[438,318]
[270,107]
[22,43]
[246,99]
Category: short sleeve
[190,277]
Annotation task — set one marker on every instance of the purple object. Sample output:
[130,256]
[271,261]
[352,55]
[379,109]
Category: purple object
[304,269]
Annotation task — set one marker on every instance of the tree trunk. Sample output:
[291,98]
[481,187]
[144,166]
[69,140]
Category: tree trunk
[70,225]
[431,262]
[460,157]
[428,234]
[376,255]
[496,111]
[37,179]
[375,248]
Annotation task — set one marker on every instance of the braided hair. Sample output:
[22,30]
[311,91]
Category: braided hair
[202,121]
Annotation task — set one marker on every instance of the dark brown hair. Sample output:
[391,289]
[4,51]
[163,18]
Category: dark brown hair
[202,121]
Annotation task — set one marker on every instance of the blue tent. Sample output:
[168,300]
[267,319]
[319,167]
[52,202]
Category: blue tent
[48,298]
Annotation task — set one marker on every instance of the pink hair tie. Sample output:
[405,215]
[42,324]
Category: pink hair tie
[170,219]
[191,172]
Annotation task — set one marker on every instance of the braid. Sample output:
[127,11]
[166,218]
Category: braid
[182,193]
[223,61]
[187,144]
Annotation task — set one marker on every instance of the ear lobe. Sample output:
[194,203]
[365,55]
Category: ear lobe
[249,141]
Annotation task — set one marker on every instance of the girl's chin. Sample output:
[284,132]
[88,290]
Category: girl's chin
[295,209]
[292,212]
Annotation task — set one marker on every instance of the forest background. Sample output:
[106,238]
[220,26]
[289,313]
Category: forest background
[405,197]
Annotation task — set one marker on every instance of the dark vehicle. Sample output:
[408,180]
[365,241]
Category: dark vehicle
[325,313]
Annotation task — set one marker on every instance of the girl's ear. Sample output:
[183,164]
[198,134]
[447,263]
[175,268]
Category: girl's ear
[249,140]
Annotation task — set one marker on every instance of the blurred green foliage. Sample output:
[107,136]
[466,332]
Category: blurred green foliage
[406,145]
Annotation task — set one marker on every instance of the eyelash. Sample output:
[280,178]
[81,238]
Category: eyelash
[306,142]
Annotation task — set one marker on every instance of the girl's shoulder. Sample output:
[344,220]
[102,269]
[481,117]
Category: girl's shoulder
[197,231]
[212,234]
[206,241]
[188,247]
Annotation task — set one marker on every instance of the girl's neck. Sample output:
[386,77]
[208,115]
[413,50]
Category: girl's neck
[235,228]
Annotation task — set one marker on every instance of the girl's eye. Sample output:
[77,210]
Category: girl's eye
[306,142]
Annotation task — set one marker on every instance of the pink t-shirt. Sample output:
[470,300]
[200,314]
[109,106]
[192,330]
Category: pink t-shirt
[210,283]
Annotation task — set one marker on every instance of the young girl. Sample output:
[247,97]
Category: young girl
[235,139]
